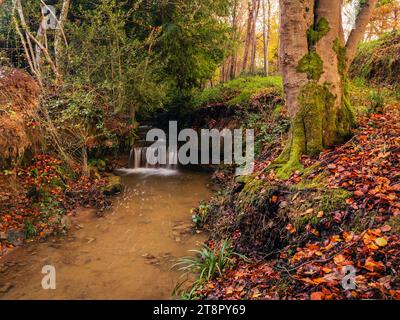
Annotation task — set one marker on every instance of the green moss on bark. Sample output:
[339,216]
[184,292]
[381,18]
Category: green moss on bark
[312,65]
[319,122]
[316,106]
[289,160]
[317,31]
[341,56]
[309,127]
[345,120]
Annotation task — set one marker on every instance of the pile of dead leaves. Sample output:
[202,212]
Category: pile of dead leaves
[34,200]
[369,165]
[245,281]
[346,266]
[328,263]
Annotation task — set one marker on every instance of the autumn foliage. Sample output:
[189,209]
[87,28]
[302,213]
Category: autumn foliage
[19,100]
[363,234]
[35,200]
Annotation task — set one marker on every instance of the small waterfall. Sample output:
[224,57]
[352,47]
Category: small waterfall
[142,157]
[137,153]
[172,159]
[130,164]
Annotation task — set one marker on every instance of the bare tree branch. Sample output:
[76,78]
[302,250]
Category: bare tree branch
[22,38]
[47,55]
[18,5]
[40,47]
[60,30]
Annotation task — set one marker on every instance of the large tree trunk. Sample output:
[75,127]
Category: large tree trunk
[314,62]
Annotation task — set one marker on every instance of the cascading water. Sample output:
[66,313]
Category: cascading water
[143,157]
[172,159]
[130,158]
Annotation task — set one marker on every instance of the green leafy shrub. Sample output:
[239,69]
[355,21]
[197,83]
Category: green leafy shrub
[267,132]
[29,229]
[209,262]
[201,213]
[376,102]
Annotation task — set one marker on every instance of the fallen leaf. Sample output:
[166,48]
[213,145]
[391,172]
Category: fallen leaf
[229,291]
[291,228]
[359,193]
[372,265]
[339,259]
[382,242]
[317,295]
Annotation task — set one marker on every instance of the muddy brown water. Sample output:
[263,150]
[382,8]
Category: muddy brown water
[127,254]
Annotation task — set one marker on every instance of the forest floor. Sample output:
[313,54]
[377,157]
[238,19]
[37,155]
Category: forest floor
[333,224]
[37,199]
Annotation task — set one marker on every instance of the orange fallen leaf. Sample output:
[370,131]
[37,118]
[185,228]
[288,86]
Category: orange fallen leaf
[339,259]
[326,270]
[256,294]
[348,236]
[375,232]
[359,193]
[336,238]
[315,232]
[372,246]
[317,295]
[229,291]
[291,228]
[372,265]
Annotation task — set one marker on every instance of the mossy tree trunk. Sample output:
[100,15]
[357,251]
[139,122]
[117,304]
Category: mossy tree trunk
[314,60]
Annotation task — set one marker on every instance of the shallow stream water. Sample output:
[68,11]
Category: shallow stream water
[127,254]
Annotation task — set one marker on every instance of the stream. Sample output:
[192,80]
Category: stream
[127,254]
